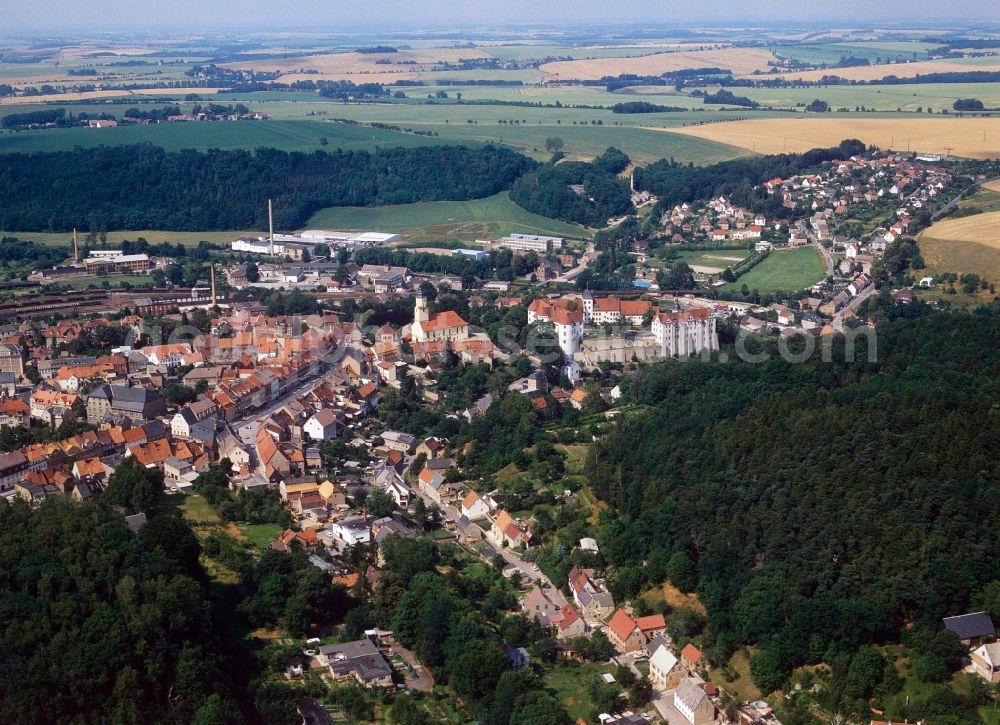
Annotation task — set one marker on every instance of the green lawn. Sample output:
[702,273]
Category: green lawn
[432,221]
[260,535]
[783,271]
[196,508]
[570,685]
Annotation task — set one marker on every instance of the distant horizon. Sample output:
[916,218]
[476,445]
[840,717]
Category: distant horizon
[53,17]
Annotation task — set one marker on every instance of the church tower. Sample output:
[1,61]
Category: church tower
[421,313]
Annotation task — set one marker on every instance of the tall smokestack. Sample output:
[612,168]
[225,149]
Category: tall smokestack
[270,228]
[76,248]
[212,267]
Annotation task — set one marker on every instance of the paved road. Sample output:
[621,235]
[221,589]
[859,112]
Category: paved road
[838,319]
[827,257]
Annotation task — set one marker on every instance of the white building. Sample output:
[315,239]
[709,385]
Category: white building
[446,325]
[530,243]
[684,333]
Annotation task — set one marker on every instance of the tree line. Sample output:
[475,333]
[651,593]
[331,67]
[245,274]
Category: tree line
[143,187]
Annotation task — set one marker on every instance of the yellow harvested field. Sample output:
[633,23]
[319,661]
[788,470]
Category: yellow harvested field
[968,244]
[403,65]
[877,72]
[742,61]
[971,137]
[992,186]
[111,93]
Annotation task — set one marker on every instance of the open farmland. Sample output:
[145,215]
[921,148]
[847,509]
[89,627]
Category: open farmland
[742,61]
[436,221]
[972,137]
[902,70]
[109,93]
[967,244]
[115,238]
[911,97]
[784,270]
[284,135]
[360,67]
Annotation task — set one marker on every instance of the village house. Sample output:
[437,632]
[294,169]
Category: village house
[322,425]
[629,635]
[589,594]
[507,531]
[986,661]
[473,507]
[665,670]
[125,401]
[692,701]
[360,660]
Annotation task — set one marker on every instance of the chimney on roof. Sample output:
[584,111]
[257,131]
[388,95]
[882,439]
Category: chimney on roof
[270,228]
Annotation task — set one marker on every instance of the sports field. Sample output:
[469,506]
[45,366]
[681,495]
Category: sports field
[784,270]
[972,137]
[462,221]
[967,244]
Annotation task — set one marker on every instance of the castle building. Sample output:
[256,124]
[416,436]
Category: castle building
[685,332]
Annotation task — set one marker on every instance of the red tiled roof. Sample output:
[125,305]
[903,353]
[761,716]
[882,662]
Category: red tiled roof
[621,625]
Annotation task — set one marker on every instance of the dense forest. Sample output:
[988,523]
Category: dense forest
[599,195]
[142,187]
[821,506]
[100,624]
[675,183]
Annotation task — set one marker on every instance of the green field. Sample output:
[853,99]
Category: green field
[260,535]
[462,221]
[286,135]
[831,53]
[196,508]
[889,98]
[783,271]
[571,686]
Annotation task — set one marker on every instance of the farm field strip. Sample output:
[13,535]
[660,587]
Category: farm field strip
[967,244]
[973,137]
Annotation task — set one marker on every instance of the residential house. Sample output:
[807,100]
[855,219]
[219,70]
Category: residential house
[352,531]
[971,628]
[127,401]
[14,413]
[691,658]
[665,670]
[12,359]
[360,660]
[538,604]
[433,447]
[506,531]
[322,426]
[692,701]
[629,635]
[986,661]
[402,442]
[473,507]
[569,623]
[589,594]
